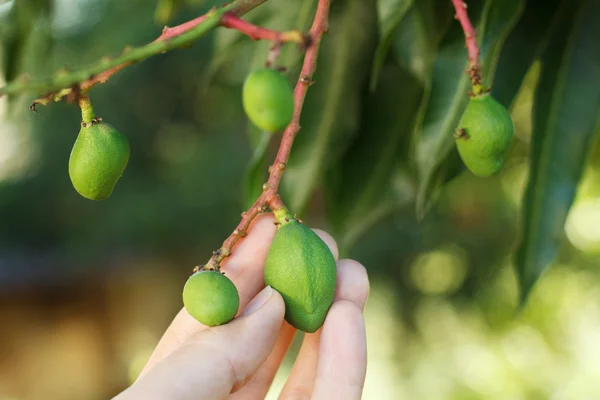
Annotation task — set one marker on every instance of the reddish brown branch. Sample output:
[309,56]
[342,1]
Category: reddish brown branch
[471,42]
[169,33]
[270,197]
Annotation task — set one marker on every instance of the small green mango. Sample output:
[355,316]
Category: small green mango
[485,135]
[268,100]
[211,298]
[302,269]
[97,161]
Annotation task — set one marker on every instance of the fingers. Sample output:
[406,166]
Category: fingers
[216,361]
[244,268]
[352,286]
[259,384]
[329,241]
[342,363]
[352,283]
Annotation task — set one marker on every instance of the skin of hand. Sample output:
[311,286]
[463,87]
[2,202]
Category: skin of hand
[240,359]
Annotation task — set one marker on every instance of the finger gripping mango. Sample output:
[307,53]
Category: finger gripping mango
[485,135]
[211,298]
[302,269]
[97,161]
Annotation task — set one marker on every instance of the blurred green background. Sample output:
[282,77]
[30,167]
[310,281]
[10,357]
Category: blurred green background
[87,288]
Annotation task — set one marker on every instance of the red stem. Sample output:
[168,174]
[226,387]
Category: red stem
[471,40]
[175,31]
[232,21]
[270,197]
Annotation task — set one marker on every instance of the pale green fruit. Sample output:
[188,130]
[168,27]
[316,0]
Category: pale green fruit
[485,135]
[268,100]
[211,298]
[97,161]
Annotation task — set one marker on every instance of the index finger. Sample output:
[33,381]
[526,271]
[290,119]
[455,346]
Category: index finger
[244,267]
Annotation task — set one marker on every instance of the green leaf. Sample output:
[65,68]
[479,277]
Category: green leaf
[360,190]
[390,13]
[165,10]
[522,47]
[331,114]
[566,115]
[450,84]
[230,45]
[26,38]
[419,34]
[256,172]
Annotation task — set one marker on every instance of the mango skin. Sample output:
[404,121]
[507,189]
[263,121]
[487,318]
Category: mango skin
[488,135]
[97,161]
[268,100]
[302,269]
[211,298]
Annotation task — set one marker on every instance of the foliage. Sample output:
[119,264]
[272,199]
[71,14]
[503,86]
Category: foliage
[376,141]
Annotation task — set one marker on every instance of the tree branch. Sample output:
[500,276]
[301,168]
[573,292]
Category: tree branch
[171,38]
[270,197]
[471,41]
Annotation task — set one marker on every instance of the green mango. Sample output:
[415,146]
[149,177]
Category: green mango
[302,269]
[211,298]
[485,135]
[98,159]
[268,100]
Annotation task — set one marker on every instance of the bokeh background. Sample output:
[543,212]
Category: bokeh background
[87,288]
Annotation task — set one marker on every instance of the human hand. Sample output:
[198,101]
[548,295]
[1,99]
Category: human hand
[240,359]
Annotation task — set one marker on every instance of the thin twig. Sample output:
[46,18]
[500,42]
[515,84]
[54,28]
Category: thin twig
[270,197]
[171,38]
[254,32]
[471,40]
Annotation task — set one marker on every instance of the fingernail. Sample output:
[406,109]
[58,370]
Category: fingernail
[258,301]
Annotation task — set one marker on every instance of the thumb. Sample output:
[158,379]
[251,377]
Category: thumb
[216,361]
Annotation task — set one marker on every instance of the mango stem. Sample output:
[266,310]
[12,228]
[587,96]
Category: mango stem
[283,215]
[87,111]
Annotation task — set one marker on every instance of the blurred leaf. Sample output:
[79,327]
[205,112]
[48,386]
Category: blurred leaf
[331,113]
[384,174]
[450,85]
[566,114]
[419,34]
[360,190]
[26,38]
[256,172]
[165,10]
[230,44]
[523,46]
[390,12]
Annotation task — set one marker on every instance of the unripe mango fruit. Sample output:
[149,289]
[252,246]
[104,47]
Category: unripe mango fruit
[302,269]
[485,135]
[98,159]
[268,100]
[211,298]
